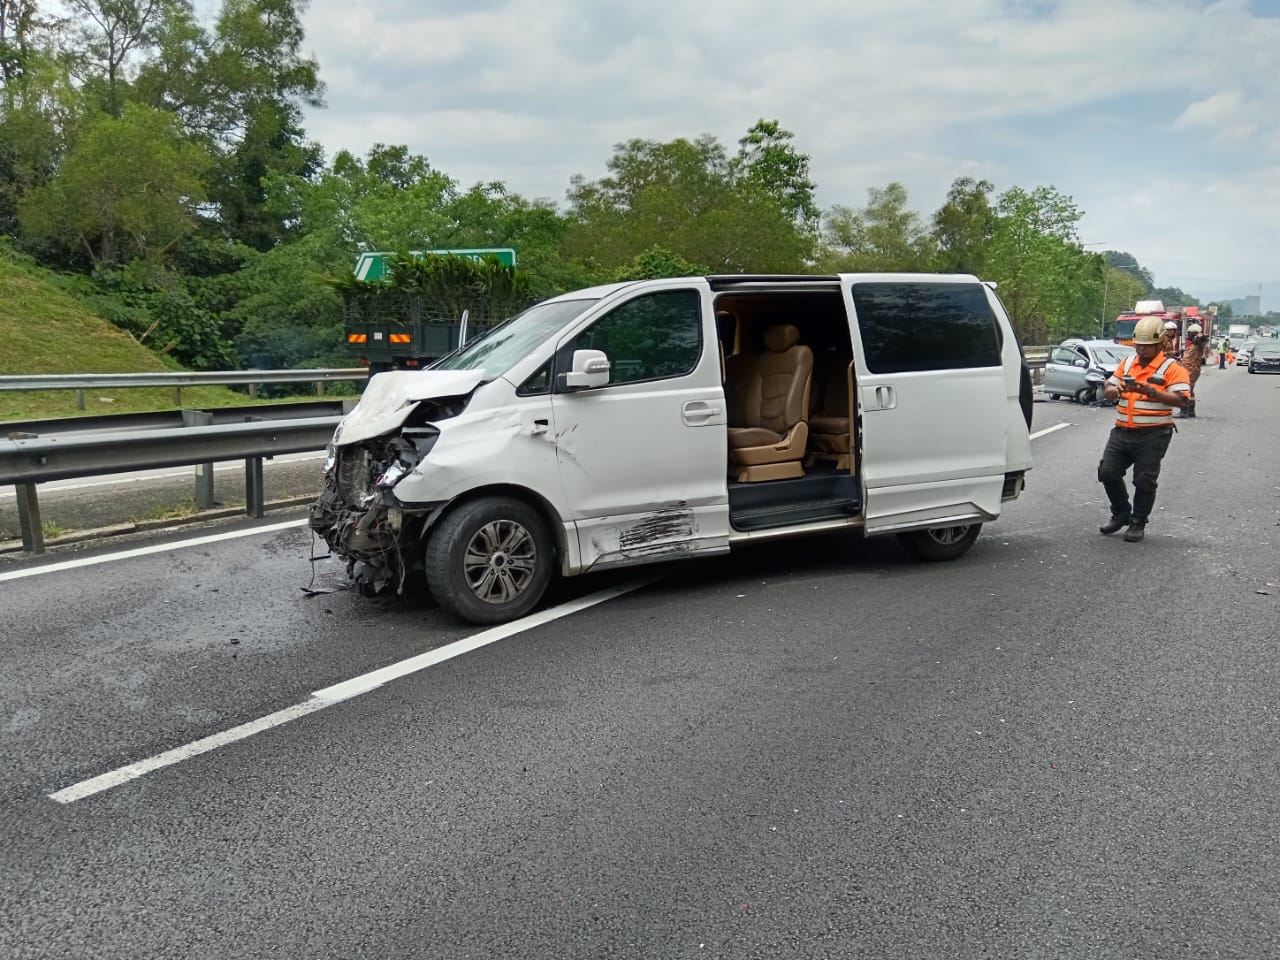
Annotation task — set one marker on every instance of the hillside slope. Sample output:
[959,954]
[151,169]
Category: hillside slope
[46,330]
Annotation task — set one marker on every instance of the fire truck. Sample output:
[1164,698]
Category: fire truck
[1182,316]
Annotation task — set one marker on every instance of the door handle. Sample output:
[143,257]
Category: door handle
[702,413]
[886,398]
[540,427]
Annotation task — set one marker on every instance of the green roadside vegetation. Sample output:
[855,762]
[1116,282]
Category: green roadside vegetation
[46,330]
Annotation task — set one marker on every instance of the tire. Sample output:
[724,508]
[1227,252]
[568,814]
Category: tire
[1055,396]
[1085,395]
[938,544]
[500,530]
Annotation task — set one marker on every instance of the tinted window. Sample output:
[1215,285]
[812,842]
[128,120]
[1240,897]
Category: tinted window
[650,338]
[926,326]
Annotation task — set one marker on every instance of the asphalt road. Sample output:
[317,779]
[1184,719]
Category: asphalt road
[1060,746]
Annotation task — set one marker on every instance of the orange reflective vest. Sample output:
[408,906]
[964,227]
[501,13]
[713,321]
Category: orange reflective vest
[1136,410]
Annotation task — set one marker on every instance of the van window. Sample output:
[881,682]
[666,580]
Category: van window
[652,337]
[926,326]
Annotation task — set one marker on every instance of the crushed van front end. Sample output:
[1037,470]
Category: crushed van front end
[359,516]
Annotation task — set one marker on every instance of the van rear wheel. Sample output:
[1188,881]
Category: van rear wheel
[940,543]
[490,560]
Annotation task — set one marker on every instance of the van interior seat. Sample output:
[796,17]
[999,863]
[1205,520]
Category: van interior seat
[831,422]
[768,400]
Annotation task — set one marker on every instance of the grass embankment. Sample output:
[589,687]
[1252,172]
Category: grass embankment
[45,330]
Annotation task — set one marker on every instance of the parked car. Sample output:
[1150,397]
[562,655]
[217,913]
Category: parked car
[1244,352]
[1076,367]
[1265,358]
[675,418]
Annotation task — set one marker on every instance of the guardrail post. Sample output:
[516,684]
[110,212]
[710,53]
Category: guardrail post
[79,399]
[204,471]
[177,396]
[253,391]
[29,518]
[319,388]
[255,504]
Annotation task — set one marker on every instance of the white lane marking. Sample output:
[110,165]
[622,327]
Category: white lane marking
[147,551]
[338,693]
[1056,426]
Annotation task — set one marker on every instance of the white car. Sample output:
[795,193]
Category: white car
[1244,352]
[676,418]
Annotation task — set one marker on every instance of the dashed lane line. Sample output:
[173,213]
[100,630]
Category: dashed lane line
[338,693]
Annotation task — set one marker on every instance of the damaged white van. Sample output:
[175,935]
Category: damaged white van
[665,419]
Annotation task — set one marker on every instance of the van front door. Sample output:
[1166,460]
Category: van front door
[932,397]
[643,459]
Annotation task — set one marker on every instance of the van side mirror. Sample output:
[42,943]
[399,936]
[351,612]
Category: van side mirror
[590,369]
[1080,362]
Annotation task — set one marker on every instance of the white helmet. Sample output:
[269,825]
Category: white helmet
[1194,328]
[1147,331]
[1170,325]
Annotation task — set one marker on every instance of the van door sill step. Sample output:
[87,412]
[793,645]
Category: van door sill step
[785,515]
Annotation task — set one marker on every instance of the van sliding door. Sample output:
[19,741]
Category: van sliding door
[931,395]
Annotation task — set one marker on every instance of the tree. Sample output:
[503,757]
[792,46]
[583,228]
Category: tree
[1127,262]
[685,197]
[768,162]
[1174,297]
[1036,259]
[963,227]
[885,235]
[116,210]
[108,33]
[21,30]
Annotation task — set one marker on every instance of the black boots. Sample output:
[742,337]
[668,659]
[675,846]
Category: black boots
[1137,529]
[1114,524]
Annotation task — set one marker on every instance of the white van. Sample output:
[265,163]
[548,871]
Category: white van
[664,419]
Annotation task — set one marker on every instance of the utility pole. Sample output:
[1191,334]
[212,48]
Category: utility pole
[1102,321]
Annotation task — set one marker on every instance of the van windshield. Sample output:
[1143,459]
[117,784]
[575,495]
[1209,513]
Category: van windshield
[505,345]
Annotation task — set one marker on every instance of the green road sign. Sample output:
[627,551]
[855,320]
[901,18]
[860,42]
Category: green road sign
[373,266]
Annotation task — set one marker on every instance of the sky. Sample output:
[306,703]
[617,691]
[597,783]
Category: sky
[1160,118]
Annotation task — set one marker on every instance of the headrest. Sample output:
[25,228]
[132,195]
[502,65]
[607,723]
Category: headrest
[781,338]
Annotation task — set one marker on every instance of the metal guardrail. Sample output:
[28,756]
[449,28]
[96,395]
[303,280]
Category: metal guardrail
[34,460]
[81,382]
[174,418]
[88,381]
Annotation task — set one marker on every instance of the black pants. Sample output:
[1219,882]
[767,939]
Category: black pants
[1142,448]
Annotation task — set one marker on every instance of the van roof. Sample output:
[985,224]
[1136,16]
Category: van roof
[723,281]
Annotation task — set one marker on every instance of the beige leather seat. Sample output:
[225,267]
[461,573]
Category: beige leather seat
[831,423]
[768,400]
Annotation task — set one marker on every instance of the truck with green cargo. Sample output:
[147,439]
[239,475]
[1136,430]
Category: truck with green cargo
[405,310]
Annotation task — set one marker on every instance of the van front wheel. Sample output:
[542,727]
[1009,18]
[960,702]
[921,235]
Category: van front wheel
[940,543]
[490,561]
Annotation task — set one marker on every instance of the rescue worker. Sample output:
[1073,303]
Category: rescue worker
[1148,386]
[1223,346]
[1193,356]
[1170,345]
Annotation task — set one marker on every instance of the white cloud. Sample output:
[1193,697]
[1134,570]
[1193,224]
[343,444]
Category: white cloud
[911,90]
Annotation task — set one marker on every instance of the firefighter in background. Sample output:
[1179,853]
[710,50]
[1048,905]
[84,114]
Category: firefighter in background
[1193,357]
[1148,385]
[1170,345]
